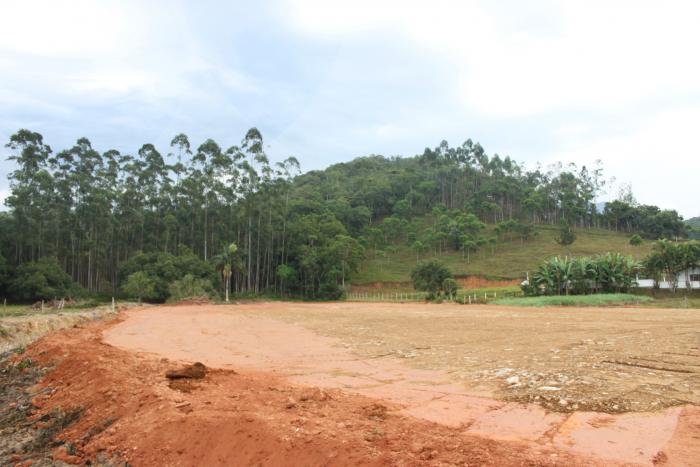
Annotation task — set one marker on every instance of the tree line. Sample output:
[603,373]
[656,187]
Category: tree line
[99,217]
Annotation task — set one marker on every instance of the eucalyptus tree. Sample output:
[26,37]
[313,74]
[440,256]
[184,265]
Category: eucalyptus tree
[31,184]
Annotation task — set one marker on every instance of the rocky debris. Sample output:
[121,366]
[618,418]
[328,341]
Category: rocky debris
[195,371]
[314,394]
[375,411]
[374,435]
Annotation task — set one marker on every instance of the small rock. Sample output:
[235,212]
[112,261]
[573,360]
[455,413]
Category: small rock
[513,380]
[194,371]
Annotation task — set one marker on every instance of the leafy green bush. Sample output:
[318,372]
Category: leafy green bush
[165,268]
[635,240]
[43,279]
[450,287]
[431,276]
[140,285]
[566,235]
[190,287]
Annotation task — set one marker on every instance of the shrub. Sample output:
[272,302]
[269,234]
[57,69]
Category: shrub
[165,268]
[635,240]
[190,287]
[450,287]
[566,235]
[43,279]
[140,285]
[529,289]
[430,276]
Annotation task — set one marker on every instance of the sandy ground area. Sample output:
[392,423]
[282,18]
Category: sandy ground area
[378,384]
[598,359]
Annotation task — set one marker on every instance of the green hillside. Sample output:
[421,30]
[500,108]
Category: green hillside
[509,260]
[694,224]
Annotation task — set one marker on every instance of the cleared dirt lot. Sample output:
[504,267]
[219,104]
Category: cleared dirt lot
[377,384]
[605,359]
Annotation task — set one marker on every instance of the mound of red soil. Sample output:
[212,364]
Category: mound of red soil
[127,411]
[478,282]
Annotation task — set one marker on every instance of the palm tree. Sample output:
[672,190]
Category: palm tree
[225,262]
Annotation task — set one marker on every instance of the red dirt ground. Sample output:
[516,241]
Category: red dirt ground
[266,401]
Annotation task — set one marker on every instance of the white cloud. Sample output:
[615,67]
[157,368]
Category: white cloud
[108,48]
[659,158]
[576,54]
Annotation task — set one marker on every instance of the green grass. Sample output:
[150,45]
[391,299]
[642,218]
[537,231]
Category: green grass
[509,260]
[576,300]
[667,299]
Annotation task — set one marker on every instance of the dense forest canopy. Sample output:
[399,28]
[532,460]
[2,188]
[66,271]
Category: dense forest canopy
[231,217]
[694,227]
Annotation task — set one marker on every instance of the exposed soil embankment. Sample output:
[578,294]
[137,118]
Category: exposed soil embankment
[125,411]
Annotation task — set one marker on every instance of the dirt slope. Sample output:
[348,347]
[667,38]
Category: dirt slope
[277,393]
[128,412]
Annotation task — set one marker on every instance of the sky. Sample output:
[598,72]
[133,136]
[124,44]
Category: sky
[540,81]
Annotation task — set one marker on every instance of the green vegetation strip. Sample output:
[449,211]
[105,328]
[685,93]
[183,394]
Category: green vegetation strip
[576,300]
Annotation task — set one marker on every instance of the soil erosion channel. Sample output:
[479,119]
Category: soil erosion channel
[241,337]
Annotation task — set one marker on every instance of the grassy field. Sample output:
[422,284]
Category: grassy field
[508,260]
[666,299]
[23,310]
[576,300]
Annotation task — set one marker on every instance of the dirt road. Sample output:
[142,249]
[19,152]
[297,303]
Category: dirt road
[374,384]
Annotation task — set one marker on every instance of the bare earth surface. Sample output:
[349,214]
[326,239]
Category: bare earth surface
[379,384]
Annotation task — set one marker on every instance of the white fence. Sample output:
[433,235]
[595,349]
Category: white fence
[402,297]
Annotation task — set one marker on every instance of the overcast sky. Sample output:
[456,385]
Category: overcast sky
[327,81]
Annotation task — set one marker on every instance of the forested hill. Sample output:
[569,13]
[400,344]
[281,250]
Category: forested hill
[98,218]
[694,224]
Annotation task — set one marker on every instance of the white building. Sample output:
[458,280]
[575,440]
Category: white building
[690,275]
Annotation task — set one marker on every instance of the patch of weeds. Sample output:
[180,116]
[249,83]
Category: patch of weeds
[25,363]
